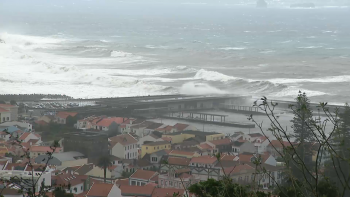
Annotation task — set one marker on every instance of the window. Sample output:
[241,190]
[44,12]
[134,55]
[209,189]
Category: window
[170,183]
[161,182]
[165,183]
[154,148]
[175,184]
[146,148]
[81,188]
[154,159]
[125,147]
[7,118]
[133,182]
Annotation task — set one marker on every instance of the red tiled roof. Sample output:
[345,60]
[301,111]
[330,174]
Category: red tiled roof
[43,149]
[179,152]
[264,157]
[24,136]
[245,157]
[106,122]
[65,114]
[179,161]
[124,139]
[100,189]
[167,128]
[143,174]
[278,144]
[6,105]
[221,141]
[228,157]
[204,160]
[3,110]
[236,169]
[133,190]
[205,146]
[181,127]
[167,192]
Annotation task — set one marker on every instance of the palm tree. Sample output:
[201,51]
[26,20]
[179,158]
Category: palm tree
[104,162]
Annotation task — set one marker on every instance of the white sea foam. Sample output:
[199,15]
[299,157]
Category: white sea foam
[292,91]
[330,79]
[232,48]
[199,89]
[213,76]
[120,54]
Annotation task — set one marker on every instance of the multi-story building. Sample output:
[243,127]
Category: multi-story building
[143,177]
[124,146]
[152,147]
[8,113]
[179,137]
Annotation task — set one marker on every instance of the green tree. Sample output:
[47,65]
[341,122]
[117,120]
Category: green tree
[104,162]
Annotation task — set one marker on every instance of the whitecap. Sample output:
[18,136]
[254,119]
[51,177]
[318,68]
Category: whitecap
[192,88]
[213,76]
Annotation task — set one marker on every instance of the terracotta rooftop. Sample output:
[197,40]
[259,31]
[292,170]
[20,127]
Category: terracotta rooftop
[124,139]
[205,146]
[64,114]
[228,157]
[237,169]
[65,179]
[167,192]
[3,110]
[143,174]
[167,128]
[179,161]
[181,127]
[106,122]
[133,190]
[204,160]
[168,139]
[43,149]
[245,157]
[24,136]
[221,141]
[278,144]
[100,189]
[7,105]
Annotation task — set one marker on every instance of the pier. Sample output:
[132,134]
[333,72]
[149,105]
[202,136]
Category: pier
[207,118]
[241,109]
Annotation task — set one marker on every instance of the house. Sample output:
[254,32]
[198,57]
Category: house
[184,127]
[251,137]
[34,138]
[155,158]
[134,190]
[168,192]
[152,147]
[151,138]
[65,159]
[203,161]
[124,146]
[24,126]
[179,137]
[241,147]
[140,129]
[127,124]
[178,179]
[221,145]
[8,113]
[107,124]
[87,123]
[166,129]
[261,144]
[78,183]
[47,119]
[275,147]
[35,151]
[143,177]
[104,190]
[88,170]
[61,117]
[236,136]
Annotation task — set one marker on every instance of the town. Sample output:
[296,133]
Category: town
[138,154]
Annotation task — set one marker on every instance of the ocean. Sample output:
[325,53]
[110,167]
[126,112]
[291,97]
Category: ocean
[111,48]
